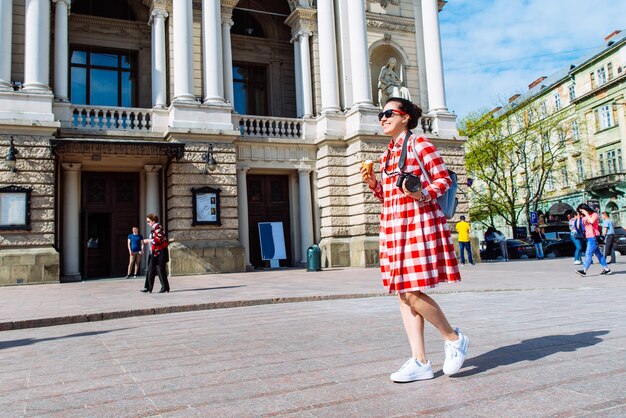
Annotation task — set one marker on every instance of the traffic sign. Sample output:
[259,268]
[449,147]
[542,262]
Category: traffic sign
[534,219]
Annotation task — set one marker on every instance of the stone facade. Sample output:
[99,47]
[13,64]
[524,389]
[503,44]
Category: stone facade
[245,87]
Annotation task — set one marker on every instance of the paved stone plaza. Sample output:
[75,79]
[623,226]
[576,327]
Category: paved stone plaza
[544,342]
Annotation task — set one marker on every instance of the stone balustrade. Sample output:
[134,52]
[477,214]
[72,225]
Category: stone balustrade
[268,126]
[111,118]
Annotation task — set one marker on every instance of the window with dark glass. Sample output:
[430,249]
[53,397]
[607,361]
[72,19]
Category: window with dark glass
[250,89]
[104,78]
[244,23]
[113,9]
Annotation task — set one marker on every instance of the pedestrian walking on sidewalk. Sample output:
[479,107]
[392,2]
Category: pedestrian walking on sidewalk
[592,232]
[608,230]
[576,231]
[463,229]
[416,250]
[158,255]
[135,250]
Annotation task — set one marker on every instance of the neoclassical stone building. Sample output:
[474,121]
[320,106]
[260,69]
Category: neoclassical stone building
[215,114]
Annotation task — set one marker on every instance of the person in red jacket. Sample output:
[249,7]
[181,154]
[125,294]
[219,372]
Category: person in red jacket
[158,255]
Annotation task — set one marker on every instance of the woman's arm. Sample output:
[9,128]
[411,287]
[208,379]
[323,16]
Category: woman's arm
[436,168]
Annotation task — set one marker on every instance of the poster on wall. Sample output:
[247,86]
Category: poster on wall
[206,206]
[272,240]
[14,207]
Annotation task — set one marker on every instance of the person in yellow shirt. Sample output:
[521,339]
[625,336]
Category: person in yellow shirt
[463,228]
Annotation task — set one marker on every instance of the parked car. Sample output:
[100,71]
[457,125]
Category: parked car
[563,247]
[620,240]
[517,248]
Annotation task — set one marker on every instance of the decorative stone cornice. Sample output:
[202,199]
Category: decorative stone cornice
[90,20]
[89,147]
[302,19]
[393,23]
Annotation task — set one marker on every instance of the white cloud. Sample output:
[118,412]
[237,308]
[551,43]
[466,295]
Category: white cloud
[495,48]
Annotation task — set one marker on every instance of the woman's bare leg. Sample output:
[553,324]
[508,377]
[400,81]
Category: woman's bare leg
[426,307]
[414,327]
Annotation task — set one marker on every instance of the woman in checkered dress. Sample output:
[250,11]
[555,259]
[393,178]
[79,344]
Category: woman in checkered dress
[416,251]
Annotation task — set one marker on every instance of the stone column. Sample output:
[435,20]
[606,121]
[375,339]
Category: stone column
[61,50]
[434,63]
[159,62]
[421,57]
[343,9]
[227,53]
[37,46]
[6,30]
[212,52]
[71,223]
[298,67]
[359,57]
[328,56]
[152,192]
[183,51]
[306,214]
[242,211]
[305,65]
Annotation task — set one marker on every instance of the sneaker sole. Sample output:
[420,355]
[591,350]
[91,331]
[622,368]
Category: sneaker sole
[414,379]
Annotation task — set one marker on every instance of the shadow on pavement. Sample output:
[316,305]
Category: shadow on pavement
[530,350]
[29,341]
[206,288]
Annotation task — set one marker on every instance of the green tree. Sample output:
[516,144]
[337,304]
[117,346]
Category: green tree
[513,154]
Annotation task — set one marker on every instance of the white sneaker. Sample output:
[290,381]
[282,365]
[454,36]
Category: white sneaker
[455,353]
[413,370]
[578,262]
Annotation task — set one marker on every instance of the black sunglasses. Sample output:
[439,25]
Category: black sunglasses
[389,113]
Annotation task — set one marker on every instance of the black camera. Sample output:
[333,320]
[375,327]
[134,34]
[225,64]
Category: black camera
[413,183]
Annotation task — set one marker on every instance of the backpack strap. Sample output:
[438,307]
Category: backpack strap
[402,160]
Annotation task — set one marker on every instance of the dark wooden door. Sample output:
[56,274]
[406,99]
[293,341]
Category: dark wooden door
[268,201]
[110,208]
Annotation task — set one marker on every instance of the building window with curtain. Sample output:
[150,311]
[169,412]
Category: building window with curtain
[603,118]
[575,131]
[564,176]
[601,76]
[250,89]
[611,161]
[557,101]
[580,170]
[103,78]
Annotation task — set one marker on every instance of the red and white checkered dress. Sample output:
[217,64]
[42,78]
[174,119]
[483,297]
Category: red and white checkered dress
[416,250]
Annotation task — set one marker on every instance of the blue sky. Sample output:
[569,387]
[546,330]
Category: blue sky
[493,49]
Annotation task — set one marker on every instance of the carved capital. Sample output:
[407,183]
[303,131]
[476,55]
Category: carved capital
[157,14]
[302,19]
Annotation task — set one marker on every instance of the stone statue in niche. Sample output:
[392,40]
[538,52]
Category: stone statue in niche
[389,83]
[384,3]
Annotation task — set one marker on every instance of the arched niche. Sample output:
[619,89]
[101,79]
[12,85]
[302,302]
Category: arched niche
[380,52]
